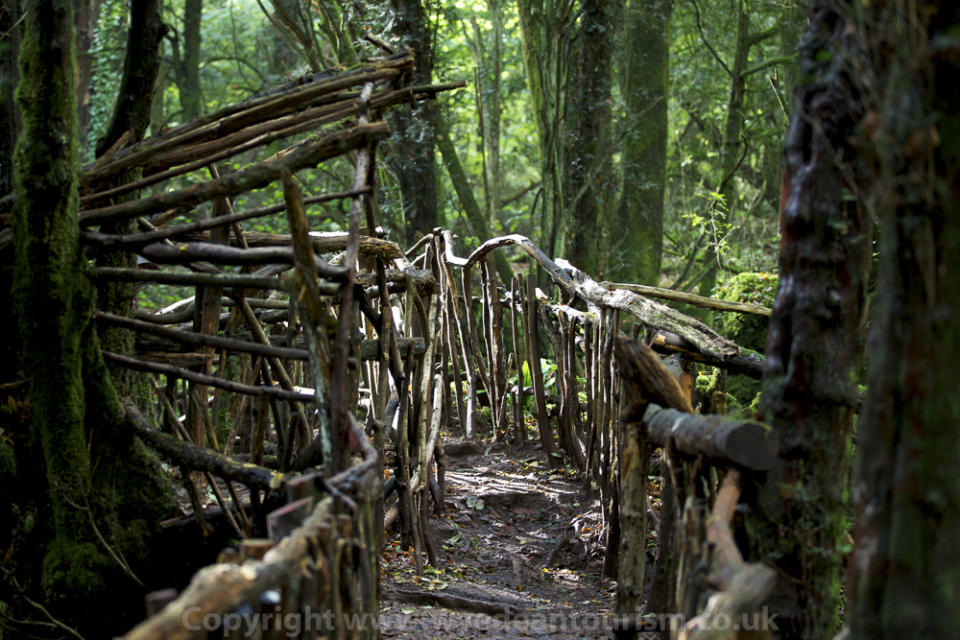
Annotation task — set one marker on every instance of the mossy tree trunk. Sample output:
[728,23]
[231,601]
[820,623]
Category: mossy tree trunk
[809,389]
[590,149]
[102,494]
[131,114]
[53,299]
[905,571]
[412,153]
[636,237]
[9,126]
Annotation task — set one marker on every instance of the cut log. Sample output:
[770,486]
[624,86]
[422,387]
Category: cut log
[740,443]
[647,379]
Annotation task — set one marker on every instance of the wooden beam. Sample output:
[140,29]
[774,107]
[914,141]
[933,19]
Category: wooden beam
[741,443]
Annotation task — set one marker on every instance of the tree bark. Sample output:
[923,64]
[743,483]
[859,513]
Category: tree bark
[132,110]
[809,392]
[589,147]
[636,241]
[98,481]
[86,18]
[412,153]
[545,43]
[903,579]
[190,96]
[9,77]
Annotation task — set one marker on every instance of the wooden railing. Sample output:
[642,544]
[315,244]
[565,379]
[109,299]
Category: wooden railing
[275,346]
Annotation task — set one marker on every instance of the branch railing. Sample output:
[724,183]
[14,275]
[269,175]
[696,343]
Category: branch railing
[259,373]
[605,410]
[278,343]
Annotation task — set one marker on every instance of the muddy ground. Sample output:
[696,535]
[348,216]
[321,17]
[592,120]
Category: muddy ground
[519,542]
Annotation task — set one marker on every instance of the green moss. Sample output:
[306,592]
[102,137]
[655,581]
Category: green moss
[741,391]
[75,575]
[752,288]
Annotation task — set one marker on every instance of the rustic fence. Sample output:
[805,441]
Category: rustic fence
[274,349]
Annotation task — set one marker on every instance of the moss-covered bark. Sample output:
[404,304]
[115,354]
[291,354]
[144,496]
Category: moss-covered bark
[905,572]
[590,148]
[132,114]
[9,77]
[50,291]
[102,496]
[809,390]
[412,154]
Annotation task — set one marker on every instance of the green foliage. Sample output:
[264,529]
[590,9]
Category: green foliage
[742,232]
[106,51]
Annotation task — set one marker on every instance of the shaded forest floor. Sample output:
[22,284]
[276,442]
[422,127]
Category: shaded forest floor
[519,556]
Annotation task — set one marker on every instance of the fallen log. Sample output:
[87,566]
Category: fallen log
[690,298]
[455,602]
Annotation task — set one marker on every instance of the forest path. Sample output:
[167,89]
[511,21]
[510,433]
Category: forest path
[519,541]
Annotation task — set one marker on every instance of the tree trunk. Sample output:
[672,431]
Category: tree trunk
[494,112]
[810,392]
[132,110]
[87,16]
[543,30]
[412,153]
[904,579]
[636,238]
[9,128]
[132,114]
[99,485]
[589,149]
[9,77]
[190,96]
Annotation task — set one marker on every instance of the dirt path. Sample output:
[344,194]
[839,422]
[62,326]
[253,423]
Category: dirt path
[517,541]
